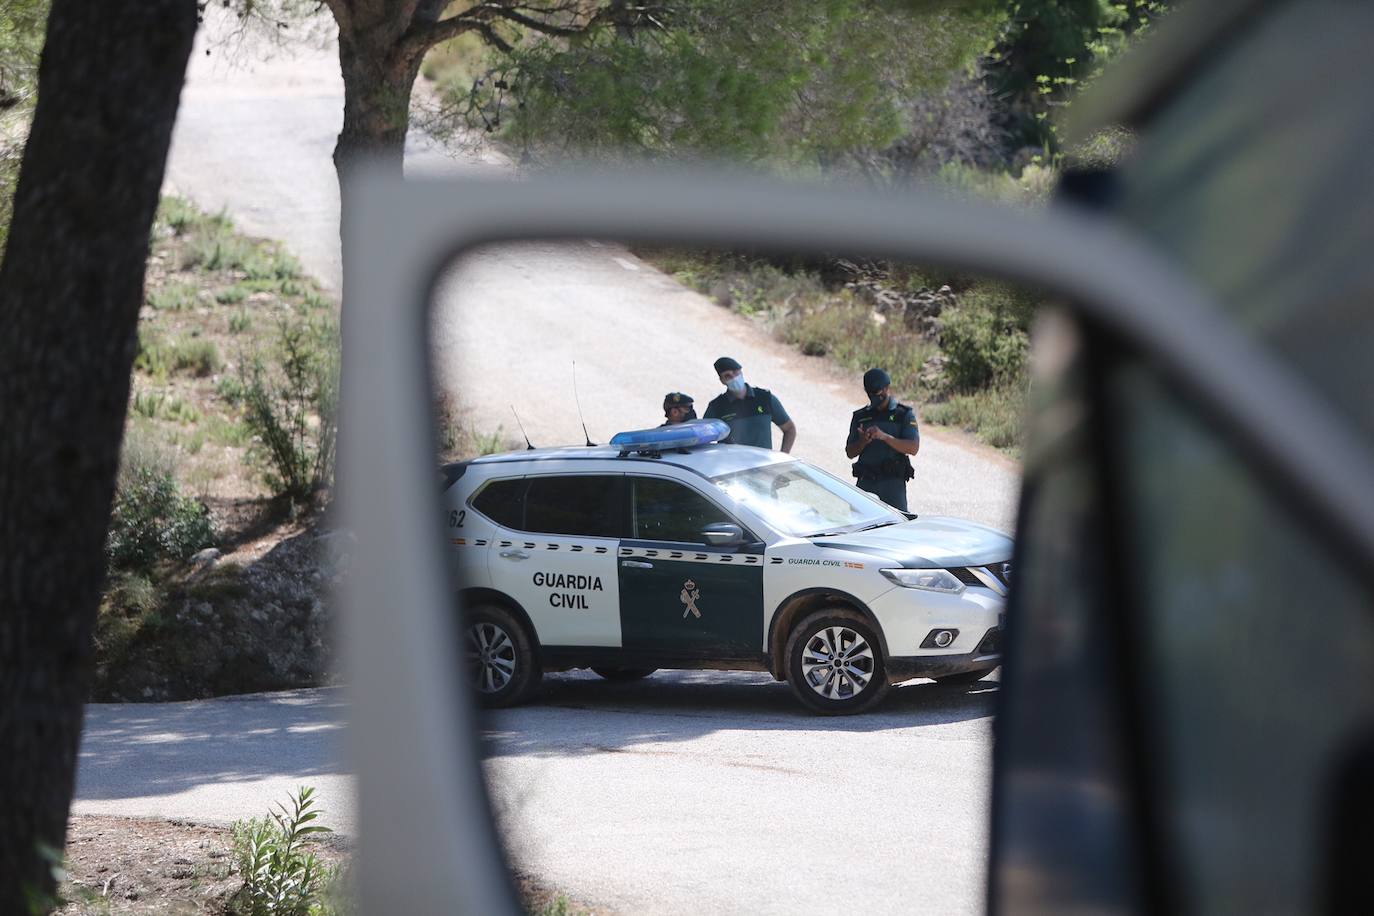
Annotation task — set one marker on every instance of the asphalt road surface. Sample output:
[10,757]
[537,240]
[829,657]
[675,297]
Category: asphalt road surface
[689,792]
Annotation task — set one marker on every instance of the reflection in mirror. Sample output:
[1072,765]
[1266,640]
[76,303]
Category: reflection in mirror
[714,668]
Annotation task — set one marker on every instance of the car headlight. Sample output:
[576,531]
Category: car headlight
[932,580]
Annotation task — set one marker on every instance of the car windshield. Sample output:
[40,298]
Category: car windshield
[802,501]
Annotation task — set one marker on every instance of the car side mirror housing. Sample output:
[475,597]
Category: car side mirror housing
[722,534]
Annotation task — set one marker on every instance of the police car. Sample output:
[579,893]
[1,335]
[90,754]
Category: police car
[667,549]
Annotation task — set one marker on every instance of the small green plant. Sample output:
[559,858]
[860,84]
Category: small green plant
[173,297]
[231,295]
[281,876]
[231,388]
[179,214]
[157,405]
[291,408]
[239,322]
[196,356]
[152,521]
[487,443]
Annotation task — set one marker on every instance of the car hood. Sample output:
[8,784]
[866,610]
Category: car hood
[927,542]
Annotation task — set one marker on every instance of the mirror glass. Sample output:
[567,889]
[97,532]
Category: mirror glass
[717,664]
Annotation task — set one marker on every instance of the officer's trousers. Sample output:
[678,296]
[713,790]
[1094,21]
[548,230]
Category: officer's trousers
[891,490]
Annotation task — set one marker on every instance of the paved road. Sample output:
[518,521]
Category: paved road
[692,791]
[688,792]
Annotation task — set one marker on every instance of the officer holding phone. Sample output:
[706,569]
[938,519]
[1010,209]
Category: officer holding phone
[883,436]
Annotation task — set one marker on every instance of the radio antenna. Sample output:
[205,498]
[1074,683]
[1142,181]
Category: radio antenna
[578,402]
[528,446]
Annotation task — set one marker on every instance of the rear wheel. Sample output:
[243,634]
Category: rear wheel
[500,656]
[624,674]
[835,663]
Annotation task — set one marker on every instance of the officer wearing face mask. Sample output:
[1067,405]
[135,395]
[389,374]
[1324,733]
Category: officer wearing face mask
[750,412]
[883,436]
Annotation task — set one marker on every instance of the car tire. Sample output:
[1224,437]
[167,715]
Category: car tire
[624,674]
[501,664]
[816,640]
[965,677]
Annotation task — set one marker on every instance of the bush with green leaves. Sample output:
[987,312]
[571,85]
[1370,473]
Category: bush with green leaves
[281,876]
[985,338]
[153,521]
[291,407]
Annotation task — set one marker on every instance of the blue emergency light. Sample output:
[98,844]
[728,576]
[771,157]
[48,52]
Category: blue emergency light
[675,435]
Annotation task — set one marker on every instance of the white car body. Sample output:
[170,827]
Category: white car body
[619,597]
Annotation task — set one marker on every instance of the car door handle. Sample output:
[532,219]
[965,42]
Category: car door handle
[515,555]
[636,564]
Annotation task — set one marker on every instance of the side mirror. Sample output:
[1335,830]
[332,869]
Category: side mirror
[722,534]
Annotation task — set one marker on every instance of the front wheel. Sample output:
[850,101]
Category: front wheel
[624,674]
[835,663]
[500,657]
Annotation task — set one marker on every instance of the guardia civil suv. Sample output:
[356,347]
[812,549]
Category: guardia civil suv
[669,550]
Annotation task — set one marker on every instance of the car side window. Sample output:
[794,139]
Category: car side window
[665,510]
[574,505]
[503,501]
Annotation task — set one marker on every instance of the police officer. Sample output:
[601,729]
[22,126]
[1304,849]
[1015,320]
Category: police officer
[883,436]
[750,412]
[677,408]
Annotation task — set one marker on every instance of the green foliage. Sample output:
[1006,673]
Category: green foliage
[152,521]
[291,407]
[239,322]
[22,28]
[159,358]
[996,415]
[231,295]
[1051,49]
[172,297]
[751,79]
[158,405]
[281,876]
[985,339]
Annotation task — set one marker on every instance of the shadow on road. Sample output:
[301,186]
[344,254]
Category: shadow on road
[132,750]
[684,705]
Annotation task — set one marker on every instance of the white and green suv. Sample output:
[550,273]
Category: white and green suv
[627,560]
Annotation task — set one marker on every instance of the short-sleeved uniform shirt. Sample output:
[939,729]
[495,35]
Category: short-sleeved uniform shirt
[897,420]
[750,418]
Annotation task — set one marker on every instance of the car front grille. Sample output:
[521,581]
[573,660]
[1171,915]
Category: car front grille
[967,577]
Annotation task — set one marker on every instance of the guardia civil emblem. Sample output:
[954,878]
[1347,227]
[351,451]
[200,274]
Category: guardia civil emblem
[689,596]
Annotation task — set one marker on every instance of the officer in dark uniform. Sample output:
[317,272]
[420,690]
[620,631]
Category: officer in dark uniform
[677,408]
[883,436]
[750,412]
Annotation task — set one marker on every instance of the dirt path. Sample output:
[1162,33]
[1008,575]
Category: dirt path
[255,137]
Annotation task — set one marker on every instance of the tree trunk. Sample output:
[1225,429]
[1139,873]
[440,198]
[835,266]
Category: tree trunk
[71,286]
[377,88]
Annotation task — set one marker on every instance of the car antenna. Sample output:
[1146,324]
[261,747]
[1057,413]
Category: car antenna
[528,446]
[578,402]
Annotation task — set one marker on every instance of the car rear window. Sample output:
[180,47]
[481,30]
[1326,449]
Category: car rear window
[503,501]
[573,505]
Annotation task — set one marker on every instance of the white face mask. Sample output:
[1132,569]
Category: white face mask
[736,384]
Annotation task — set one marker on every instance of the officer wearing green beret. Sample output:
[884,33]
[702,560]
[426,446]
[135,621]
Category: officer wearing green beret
[677,408]
[883,436]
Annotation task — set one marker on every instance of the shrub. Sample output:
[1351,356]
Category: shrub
[985,338]
[280,876]
[155,405]
[152,521]
[291,408]
[231,295]
[239,322]
[174,297]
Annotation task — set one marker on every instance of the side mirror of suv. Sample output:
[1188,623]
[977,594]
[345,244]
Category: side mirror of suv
[722,534]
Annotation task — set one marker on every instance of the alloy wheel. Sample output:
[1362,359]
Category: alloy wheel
[837,663]
[491,654]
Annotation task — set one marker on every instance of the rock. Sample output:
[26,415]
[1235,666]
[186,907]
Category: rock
[207,557]
[147,692]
